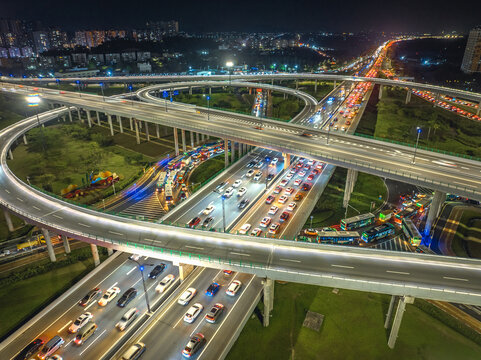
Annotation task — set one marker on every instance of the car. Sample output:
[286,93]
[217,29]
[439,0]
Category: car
[310,162]
[195,343]
[301,173]
[289,176]
[244,229]
[186,296]
[194,222]
[298,182]
[306,168]
[228,272]
[270,177]
[134,257]
[214,313]
[256,232]
[306,187]
[348,122]
[29,350]
[157,270]
[316,171]
[336,128]
[284,216]
[310,177]
[319,166]
[79,322]
[299,165]
[259,165]
[283,199]
[250,173]
[284,182]
[127,319]
[134,352]
[208,209]
[212,289]
[228,193]
[265,221]
[55,357]
[289,191]
[241,191]
[91,295]
[291,206]
[258,176]
[207,221]
[233,288]
[293,171]
[310,232]
[274,228]
[250,164]
[306,134]
[343,128]
[237,183]
[109,295]
[221,186]
[127,297]
[243,203]
[277,189]
[270,199]
[273,210]
[165,283]
[274,161]
[298,197]
[193,312]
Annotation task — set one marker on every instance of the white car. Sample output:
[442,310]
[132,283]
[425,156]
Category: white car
[265,221]
[258,176]
[193,312]
[188,294]
[134,257]
[109,295]
[273,210]
[237,183]
[310,162]
[80,322]
[208,209]
[250,173]
[288,176]
[241,191]
[228,193]
[298,182]
[343,128]
[301,173]
[165,283]
[283,199]
[291,206]
[244,229]
[274,161]
[233,288]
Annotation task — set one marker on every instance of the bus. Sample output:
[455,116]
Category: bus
[169,194]
[406,213]
[378,232]
[357,222]
[411,231]
[337,237]
[161,181]
[180,177]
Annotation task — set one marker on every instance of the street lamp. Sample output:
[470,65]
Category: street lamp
[419,130]
[33,100]
[102,88]
[131,98]
[229,65]
[223,211]
[328,131]
[78,86]
[141,268]
[208,106]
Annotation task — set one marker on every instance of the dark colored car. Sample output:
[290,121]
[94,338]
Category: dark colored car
[214,313]
[243,203]
[270,199]
[194,222]
[156,271]
[284,216]
[92,294]
[127,297]
[306,187]
[207,221]
[212,289]
[29,350]
[251,164]
[194,344]
[270,177]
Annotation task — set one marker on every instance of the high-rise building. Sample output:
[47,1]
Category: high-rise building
[41,41]
[472,54]
[58,39]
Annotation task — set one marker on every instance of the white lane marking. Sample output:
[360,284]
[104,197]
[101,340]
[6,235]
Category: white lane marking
[240,254]
[194,247]
[153,240]
[57,216]
[453,278]
[8,191]
[84,225]
[91,304]
[397,272]
[464,184]
[68,343]
[291,260]
[201,321]
[63,327]
[116,233]
[92,342]
[343,266]
[19,199]
[37,208]
[128,273]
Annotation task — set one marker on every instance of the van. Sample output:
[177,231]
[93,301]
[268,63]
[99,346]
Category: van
[51,346]
[85,333]
[134,352]
[127,319]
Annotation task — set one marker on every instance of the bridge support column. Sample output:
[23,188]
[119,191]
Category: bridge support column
[137,134]
[184,144]
[190,90]
[381,88]
[389,312]
[192,139]
[110,251]
[8,220]
[315,86]
[184,270]
[157,131]
[239,148]
[95,254]
[478,112]
[70,115]
[287,160]
[408,96]
[131,121]
[335,84]
[10,154]
[268,300]
[119,119]
[401,308]
[66,244]
[147,131]
[89,118]
[210,90]
[25,139]
[197,137]
[109,117]
[176,142]
[434,209]
[350,182]
[226,152]
[297,84]
[48,241]
[98,117]
[232,152]
[79,114]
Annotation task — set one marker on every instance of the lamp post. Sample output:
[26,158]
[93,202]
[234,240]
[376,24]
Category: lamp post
[141,268]
[328,131]
[102,88]
[208,106]
[229,65]
[78,86]
[419,130]
[33,100]
[131,98]
[223,211]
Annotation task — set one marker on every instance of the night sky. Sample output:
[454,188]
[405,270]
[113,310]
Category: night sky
[247,15]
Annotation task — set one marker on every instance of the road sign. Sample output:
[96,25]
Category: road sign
[176,92]
[165,94]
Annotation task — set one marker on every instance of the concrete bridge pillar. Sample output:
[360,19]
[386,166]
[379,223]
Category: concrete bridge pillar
[434,209]
[478,111]
[408,96]
[401,308]
[226,152]
[335,85]
[147,135]
[185,270]
[157,131]
[315,86]
[210,90]
[89,118]
[381,88]
[66,244]
[109,117]
[25,139]
[8,220]
[98,117]
[10,154]
[95,254]
[110,251]
[119,119]
[297,84]
[287,160]
[197,137]
[184,144]
[70,114]
[350,182]
[131,121]
[137,134]
[232,152]
[268,300]
[387,322]
[79,113]
[192,139]
[48,241]
[190,90]
[239,148]
[176,142]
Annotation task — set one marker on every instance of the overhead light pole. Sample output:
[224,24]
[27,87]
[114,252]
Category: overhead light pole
[229,65]
[102,89]
[78,86]
[141,268]
[419,130]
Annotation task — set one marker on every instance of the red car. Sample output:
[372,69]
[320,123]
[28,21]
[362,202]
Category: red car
[284,216]
[306,187]
[310,177]
[194,222]
[270,199]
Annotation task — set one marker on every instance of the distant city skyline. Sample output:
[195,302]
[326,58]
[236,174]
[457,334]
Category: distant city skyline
[302,16]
